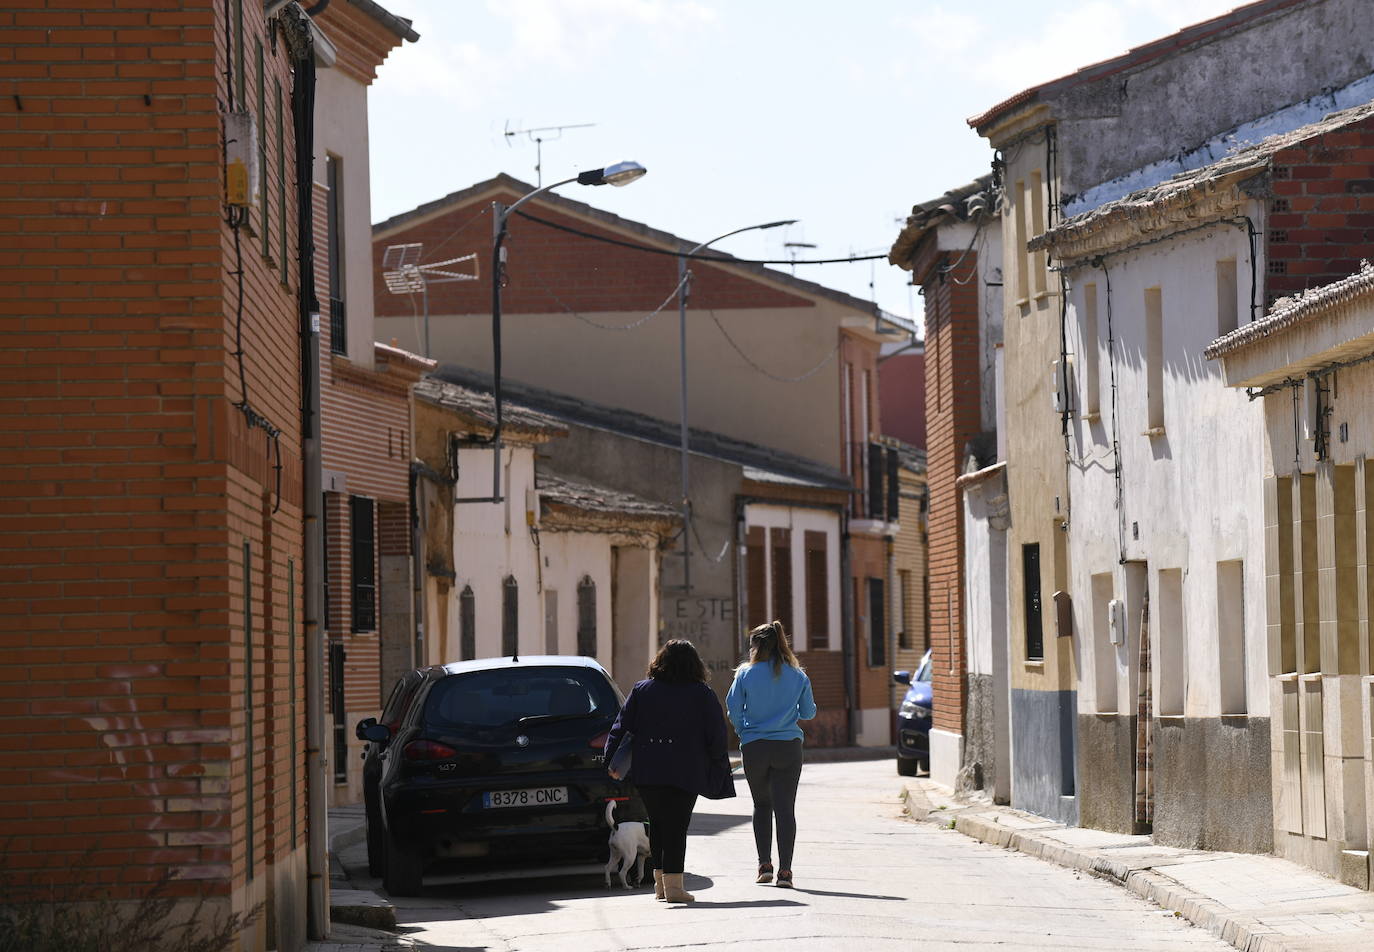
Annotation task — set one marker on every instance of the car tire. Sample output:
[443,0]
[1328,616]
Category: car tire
[404,872]
[906,766]
[376,845]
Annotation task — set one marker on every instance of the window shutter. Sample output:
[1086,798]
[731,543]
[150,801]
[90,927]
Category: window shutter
[893,485]
[1030,567]
[757,589]
[781,540]
[364,564]
[876,468]
[336,702]
[586,617]
[877,623]
[510,617]
[817,593]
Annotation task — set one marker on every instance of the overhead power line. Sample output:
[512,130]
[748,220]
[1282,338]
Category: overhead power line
[696,257]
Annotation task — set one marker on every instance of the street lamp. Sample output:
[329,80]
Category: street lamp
[620,174]
[683,290]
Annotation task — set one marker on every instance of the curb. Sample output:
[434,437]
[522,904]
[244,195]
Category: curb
[1242,932]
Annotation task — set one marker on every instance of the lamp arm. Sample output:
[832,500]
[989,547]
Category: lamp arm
[538,191]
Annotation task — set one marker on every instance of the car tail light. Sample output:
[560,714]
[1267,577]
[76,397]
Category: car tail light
[599,741]
[422,750]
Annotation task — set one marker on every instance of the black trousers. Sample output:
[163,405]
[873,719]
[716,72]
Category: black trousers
[670,813]
[773,769]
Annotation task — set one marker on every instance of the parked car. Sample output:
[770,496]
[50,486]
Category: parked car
[490,763]
[913,720]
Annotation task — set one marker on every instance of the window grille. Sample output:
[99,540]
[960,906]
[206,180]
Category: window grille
[586,617]
[364,564]
[467,624]
[510,616]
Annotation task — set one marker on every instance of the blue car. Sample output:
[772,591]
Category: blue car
[913,720]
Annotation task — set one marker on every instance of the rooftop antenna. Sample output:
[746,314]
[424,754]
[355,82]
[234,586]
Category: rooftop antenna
[792,247]
[537,136]
[404,274]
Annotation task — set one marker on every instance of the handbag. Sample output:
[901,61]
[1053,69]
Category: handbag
[619,764]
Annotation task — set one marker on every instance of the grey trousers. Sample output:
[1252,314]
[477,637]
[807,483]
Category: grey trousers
[773,769]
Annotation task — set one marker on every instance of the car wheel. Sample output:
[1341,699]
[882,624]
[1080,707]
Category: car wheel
[404,871]
[376,845]
[906,766]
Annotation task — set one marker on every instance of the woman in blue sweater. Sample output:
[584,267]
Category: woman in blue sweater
[771,693]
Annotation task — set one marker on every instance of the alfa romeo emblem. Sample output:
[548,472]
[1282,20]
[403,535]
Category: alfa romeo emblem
[522,741]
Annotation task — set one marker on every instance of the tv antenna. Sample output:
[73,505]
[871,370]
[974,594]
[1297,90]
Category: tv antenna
[404,274]
[792,247]
[537,136]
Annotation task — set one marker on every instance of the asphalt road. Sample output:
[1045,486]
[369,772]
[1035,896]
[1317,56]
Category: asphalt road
[867,879]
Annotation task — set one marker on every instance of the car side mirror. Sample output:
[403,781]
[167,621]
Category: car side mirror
[901,677]
[377,733]
[360,731]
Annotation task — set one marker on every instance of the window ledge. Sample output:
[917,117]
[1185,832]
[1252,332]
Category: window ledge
[1153,432]
[1036,663]
[1093,416]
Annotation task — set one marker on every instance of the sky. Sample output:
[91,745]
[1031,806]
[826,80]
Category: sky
[839,115]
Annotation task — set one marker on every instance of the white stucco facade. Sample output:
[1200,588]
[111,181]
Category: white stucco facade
[1188,511]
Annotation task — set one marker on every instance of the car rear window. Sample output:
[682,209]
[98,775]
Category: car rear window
[505,695]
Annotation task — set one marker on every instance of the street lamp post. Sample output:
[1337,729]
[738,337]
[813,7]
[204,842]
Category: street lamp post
[622,173]
[683,291]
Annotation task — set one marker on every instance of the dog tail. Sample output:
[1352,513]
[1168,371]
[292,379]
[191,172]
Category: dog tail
[610,813]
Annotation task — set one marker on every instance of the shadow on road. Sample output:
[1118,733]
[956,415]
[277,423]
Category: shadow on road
[740,904]
[704,824]
[848,895]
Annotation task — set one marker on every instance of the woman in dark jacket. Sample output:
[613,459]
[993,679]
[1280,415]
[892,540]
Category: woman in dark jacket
[680,753]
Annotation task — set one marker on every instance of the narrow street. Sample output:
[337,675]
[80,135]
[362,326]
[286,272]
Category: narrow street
[867,878]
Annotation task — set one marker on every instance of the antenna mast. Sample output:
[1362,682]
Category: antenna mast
[538,138]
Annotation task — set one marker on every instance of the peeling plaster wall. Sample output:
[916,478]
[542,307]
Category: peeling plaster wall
[1135,117]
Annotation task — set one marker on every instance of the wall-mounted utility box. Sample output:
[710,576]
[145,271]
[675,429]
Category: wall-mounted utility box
[241,171]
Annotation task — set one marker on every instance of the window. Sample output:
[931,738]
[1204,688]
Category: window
[846,418]
[337,656]
[264,213]
[510,616]
[1227,308]
[1154,357]
[338,328]
[364,573]
[586,617]
[780,540]
[817,592]
[1030,575]
[877,623]
[1092,401]
[281,187]
[550,621]
[1036,260]
[1022,264]
[250,744]
[903,619]
[1231,635]
[467,624]
[756,578]
[1173,644]
[239,94]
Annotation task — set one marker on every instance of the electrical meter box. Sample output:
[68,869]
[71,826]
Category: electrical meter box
[241,171]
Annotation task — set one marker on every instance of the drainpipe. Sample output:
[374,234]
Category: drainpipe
[296,29]
[851,692]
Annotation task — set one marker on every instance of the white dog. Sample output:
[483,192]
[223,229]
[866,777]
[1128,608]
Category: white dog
[629,844]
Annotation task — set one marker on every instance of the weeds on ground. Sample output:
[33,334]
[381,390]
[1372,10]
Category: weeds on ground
[53,916]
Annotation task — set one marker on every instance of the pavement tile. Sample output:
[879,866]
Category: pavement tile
[1254,903]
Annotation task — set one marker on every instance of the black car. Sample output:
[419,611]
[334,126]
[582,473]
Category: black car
[490,763]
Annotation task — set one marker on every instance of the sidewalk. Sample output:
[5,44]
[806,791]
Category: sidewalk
[1255,903]
[358,918]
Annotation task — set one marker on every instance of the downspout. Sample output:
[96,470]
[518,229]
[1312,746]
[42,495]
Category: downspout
[851,692]
[296,29]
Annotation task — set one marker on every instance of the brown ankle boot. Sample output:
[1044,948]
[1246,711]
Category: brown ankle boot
[673,891]
[658,885]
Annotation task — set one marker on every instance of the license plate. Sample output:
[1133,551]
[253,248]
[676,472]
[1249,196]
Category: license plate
[538,797]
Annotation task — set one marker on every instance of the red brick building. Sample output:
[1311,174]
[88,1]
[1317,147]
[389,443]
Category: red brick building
[366,413]
[152,655]
[935,246]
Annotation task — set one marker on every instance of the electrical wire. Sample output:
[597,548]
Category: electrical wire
[720,259]
[1116,423]
[767,373]
[611,327]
